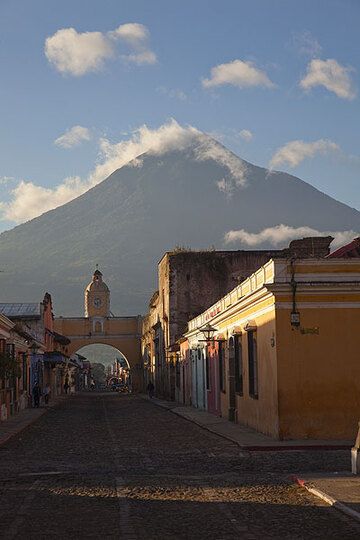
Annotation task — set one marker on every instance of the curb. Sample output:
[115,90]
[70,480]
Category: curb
[250,448]
[328,499]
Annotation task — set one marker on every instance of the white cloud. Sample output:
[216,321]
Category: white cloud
[246,135]
[29,200]
[281,235]
[330,74]
[174,93]
[73,137]
[307,44]
[237,73]
[136,36]
[211,149]
[5,180]
[133,33]
[78,53]
[294,152]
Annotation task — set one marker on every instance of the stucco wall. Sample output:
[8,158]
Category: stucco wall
[261,413]
[198,279]
[123,333]
[319,374]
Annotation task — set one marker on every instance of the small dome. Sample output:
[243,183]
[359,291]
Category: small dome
[97,283]
[97,286]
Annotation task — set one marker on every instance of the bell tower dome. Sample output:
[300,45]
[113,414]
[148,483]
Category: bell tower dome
[97,297]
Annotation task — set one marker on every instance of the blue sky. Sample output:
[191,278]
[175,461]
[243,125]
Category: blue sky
[274,41]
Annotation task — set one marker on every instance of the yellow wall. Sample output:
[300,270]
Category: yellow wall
[319,375]
[261,413]
[309,381]
[123,333]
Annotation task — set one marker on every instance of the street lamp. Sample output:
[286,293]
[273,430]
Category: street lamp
[208,331]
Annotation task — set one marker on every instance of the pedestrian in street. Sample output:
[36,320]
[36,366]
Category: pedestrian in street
[47,391]
[66,387]
[36,392]
[150,389]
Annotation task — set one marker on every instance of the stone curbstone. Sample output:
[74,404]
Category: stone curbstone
[331,501]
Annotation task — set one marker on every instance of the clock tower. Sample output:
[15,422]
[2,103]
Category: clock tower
[97,297]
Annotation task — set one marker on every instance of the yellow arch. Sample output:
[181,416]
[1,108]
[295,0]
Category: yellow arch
[123,333]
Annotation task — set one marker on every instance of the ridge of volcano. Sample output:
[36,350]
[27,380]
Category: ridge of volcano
[191,197]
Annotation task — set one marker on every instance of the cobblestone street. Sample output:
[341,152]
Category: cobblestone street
[111,466]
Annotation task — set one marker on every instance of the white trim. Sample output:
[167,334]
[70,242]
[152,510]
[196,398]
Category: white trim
[318,305]
[102,336]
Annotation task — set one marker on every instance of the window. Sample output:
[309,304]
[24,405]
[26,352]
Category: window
[253,364]
[98,327]
[238,364]
[157,351]
[221,355]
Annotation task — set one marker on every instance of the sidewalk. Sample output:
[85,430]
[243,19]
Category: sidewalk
[340,490]
[246,438]
[23,419]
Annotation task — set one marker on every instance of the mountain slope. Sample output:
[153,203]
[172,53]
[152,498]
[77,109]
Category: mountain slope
[127,221]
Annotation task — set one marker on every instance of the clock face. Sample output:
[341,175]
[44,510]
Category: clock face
[97,302]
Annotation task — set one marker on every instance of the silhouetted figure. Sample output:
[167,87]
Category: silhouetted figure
[66,387]
[36,395]
[47,391]
[150,389]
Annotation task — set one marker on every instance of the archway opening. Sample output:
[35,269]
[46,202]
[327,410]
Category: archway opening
[110,369]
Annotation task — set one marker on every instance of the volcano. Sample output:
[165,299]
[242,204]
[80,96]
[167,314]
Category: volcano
[188,197]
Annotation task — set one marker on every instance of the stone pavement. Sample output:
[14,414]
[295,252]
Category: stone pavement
[245,437]
[103,465]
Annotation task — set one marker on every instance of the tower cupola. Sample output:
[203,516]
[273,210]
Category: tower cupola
[97,297]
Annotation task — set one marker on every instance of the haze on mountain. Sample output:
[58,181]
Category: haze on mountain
[189,192]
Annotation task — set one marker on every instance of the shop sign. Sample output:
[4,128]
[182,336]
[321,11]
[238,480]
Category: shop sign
[210,314]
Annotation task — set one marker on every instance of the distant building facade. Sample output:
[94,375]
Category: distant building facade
[188,283]
[99,325]
[285,359]
[32,344]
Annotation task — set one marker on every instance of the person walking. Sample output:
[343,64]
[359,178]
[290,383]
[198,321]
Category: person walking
[36,392]
[47,391]
[66,386]
[150,389]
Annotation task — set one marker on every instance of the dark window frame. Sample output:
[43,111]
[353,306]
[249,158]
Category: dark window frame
[222,366]
[253,364]
[239,365]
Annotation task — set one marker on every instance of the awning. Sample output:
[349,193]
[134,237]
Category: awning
[54,358]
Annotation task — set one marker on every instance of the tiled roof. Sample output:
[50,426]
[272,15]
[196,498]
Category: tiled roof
[351,250]
[23,310]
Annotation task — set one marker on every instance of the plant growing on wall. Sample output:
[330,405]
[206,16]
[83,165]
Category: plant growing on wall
[9,367]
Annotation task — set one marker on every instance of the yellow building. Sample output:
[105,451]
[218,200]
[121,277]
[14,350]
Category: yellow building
[99,325]
[287,359]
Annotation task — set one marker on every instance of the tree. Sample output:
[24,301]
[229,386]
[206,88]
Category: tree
[98,372]
[9,367]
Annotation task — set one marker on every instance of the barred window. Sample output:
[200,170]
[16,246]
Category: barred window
[253,364]
[239,383]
